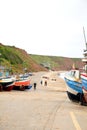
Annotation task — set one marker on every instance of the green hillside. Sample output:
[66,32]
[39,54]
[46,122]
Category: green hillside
[16,60]
[57,63]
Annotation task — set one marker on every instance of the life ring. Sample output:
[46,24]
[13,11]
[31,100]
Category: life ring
[1,87]
[22,88]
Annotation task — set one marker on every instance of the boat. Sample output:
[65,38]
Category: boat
[77,83]
[74,85]
[84,81]
[6,83]
[6,80]
[22,83]
[24,76]
[84,74]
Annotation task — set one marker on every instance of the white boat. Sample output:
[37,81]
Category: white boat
[6,84]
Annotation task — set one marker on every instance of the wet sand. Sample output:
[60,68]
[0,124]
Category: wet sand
[33,109]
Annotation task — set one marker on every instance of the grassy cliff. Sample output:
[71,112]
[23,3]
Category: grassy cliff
[57,62]
[17,60]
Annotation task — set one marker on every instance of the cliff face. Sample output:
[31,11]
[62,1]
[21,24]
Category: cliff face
[18,59]
[58,63]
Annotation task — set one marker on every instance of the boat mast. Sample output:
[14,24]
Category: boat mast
[85,51]
[84,60]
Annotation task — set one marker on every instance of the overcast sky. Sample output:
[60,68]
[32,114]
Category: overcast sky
[44,27]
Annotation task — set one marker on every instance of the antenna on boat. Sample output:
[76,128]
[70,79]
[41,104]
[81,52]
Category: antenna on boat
[85,39]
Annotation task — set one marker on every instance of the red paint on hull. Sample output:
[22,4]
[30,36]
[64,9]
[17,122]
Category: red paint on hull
[20,83]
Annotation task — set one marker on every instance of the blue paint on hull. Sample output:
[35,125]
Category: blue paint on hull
[28,87]
[84,83]
[77,87]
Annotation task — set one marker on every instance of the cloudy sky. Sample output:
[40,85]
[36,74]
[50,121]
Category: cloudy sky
[44,27]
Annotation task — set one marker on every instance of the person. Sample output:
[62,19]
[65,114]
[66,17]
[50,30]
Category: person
[35,86]
[41,82]
[45,83]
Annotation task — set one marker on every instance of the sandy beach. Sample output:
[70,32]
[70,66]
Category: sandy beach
[46,108]
[29,110]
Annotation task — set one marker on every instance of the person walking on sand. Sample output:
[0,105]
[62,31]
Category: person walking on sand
[41,82]
[35,86]
[45,83]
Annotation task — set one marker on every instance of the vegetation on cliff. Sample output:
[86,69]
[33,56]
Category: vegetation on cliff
[57,62]
[16,60]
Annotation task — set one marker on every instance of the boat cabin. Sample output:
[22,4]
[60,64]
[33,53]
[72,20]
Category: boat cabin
[75,74]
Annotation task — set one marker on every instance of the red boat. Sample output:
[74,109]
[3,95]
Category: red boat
[21,84]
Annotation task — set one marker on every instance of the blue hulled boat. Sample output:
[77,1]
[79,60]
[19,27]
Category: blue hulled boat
[74,85]
[77,82]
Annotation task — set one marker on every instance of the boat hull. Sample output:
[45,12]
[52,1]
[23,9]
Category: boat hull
[6,84]
[73,97]
[85,94]
[21,84]
[74,90]
[84,80]
[28,87]
[84,85]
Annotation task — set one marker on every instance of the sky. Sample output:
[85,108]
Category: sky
[44,27]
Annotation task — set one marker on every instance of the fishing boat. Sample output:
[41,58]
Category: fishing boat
[84,78]
[6,84]
[77,84]
[21,84]
[24,76]
[84,74]
[74,86]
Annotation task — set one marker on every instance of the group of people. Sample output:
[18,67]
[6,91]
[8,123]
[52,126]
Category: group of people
[35,84]
[45,82]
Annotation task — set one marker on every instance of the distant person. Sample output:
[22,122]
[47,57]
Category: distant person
[41,82]
[45,83]
[35,86]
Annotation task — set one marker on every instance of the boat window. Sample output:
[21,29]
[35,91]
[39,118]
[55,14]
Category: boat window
[72,73]
[76,74]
